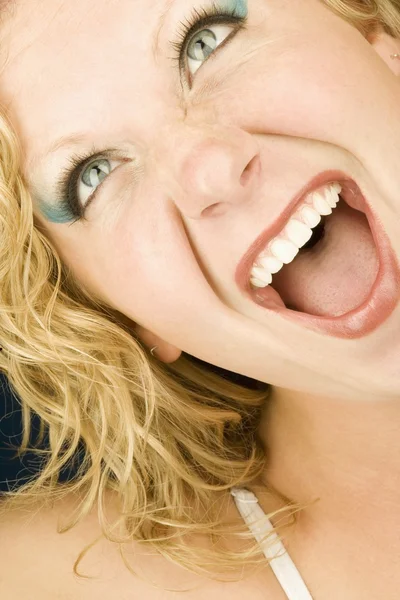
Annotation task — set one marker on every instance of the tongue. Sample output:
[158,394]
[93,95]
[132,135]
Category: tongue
[336,276]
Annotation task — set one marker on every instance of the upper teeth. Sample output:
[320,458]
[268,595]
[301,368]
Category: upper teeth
[284,248]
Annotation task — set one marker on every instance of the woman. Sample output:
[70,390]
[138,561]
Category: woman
[204,183]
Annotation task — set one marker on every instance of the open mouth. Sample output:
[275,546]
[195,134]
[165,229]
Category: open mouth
[329,263]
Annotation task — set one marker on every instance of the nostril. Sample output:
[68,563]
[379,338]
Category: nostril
[252,169]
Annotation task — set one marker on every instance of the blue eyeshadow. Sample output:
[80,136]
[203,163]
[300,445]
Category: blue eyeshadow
[59,214]
[237,7]
[55,214]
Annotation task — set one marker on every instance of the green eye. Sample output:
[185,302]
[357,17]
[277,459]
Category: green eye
[204,43]
[81,180]
[91,178]
[96,172]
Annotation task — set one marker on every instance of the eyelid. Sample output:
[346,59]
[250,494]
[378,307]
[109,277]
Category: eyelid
[72,169]
[214,55]
[87,190]
[66,189]
[199,20]
[183,59]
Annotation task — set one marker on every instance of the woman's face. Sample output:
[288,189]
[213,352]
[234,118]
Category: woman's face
[192,162]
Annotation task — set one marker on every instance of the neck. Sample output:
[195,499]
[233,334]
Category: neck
[346,454]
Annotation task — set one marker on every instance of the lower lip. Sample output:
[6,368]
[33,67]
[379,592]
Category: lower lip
[379,305]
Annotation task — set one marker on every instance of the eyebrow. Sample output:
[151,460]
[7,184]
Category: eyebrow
[75,140]
[67,141]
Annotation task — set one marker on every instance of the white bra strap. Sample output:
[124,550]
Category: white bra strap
[282,565]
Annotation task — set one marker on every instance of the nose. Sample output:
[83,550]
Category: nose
[210,171]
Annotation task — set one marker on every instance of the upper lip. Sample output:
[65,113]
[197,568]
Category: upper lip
[242,276]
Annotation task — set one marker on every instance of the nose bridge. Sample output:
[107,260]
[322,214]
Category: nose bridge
[203,167]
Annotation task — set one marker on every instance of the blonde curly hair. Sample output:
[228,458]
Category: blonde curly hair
[77,364]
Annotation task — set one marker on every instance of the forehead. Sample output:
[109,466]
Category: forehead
[65,25]
[65,61]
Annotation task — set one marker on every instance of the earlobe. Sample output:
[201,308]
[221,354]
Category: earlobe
[166,352]
[160,349]
[388,49]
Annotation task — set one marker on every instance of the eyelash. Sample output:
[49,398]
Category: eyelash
[199,19]
[69,179]
[77,163]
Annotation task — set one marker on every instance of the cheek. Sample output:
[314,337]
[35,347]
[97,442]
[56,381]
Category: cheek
[149,273]
[328,86]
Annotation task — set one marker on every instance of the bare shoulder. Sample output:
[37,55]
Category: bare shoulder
[38,563]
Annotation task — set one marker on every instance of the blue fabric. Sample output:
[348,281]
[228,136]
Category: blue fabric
[16,470]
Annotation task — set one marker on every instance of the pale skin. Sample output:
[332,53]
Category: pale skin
[333,426]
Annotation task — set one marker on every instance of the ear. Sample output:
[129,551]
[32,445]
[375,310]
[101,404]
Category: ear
[165,352]
[386,46]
